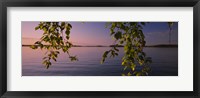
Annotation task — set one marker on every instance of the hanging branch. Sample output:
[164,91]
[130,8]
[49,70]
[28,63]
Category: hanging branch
[54,40]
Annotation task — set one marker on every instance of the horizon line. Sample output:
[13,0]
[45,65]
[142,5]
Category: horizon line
[158,45]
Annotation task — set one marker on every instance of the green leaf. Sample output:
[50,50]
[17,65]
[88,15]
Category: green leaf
[36,28]
[129,74]
[47,64]
[125,67]
[139,74]
[104,56]
[38,42]
[123,74]
[54,58]
[133,66]
[73,58]
[70,25]
[52,28]
[67,32]
[116,49]
[133,23]
[112,32]
[121,42]
[126,48]
[65,49]
[44,62]
[118,35]
[62,23]
[33,46]
[67,37]
[44,58]
[57,52]
[45,29]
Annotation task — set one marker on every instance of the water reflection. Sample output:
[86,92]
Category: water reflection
[165,62]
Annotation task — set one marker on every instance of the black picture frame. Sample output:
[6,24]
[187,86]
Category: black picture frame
[98,3]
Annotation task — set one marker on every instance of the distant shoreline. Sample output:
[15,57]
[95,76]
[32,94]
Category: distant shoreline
[160,45]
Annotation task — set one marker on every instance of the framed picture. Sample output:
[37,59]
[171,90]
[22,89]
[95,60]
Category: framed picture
[76,48]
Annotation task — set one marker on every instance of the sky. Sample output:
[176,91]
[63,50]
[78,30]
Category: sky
[96,33]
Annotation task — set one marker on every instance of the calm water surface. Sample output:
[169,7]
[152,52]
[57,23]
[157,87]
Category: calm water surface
[165,62]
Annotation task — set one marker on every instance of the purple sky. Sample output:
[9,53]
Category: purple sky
[95,33]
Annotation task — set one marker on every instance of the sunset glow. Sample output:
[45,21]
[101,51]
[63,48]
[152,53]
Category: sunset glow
[96,33]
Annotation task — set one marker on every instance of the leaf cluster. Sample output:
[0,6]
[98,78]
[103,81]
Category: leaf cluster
[129,34]
[55,37]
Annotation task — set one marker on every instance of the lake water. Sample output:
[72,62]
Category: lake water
[165,62]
